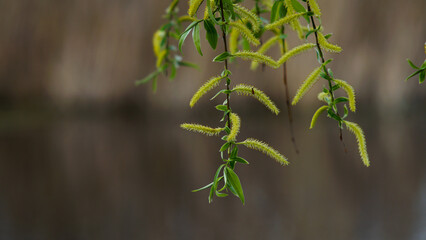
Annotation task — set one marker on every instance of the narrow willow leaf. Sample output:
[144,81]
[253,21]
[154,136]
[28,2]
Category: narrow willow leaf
[240,160]
[249,15]
[278,23]
[265,47]
[196,38]
[247,34]
[193,7]
[257,57]
[315,8]
[202,188]
[316,115]
[222,57]
[350,91]
[211,33]
[306,85]
[147,78]
[225,147]
[326,45]
[201,129]
[248,90]
[294,51]
[233,180]
[359,134]
[185,34]
[209,85]
[235,129]
[275,10]
[265,148]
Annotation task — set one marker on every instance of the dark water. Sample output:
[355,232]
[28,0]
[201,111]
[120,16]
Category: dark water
[114,175]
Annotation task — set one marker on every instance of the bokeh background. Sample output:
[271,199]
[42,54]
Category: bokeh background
[84,154]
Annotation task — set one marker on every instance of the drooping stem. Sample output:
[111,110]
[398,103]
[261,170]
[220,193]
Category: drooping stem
[223,28]
[330,86]
[287,100]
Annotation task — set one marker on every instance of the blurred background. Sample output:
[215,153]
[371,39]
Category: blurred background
[84,154]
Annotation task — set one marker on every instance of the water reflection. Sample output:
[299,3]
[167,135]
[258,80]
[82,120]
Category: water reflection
[115,176]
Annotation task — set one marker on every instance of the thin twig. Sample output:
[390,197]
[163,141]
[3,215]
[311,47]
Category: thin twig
[287,100]
[325,71]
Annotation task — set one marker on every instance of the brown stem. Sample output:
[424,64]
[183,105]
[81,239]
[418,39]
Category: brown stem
[226,61]
[326,72]
[287,100]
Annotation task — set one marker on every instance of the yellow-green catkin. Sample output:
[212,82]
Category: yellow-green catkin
[249,15]
[268,3]
[201,129]
[283,20]
[193,7]
[295,24]
[350,92]
[186,18]
[233,40]
[315,8]
[245,32]
[235,127]
[206,11]
[265,47]
[307,84]
[156,42]
[257,57]
[265,148]
[209,85]
[359,134]
[294,51]
[161,58]
[326,45]
[247,90]
[316,115]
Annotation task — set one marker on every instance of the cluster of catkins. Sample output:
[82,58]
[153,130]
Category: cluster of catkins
[241,30]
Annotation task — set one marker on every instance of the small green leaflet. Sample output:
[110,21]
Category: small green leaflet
[233,180]
[211,33]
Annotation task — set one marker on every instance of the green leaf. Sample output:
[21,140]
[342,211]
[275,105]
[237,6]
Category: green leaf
[225,146]
[239,159]
[147,78]
[299,8]
[422,76]
[333,115]
[186,33]
[196,38]
[182,39]
[219,194]
[412,64]
[340,99]
[234,152]
[202,188]
[211,33]
[275,11]
[234,181]
[222,108]
[222,57]
[346,112]
[414,74]
[188,64]
[216,177]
